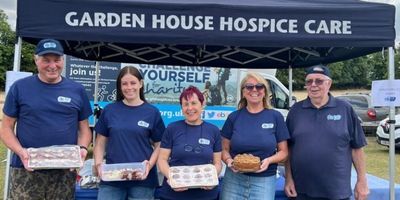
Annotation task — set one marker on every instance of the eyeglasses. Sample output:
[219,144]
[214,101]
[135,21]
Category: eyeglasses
[190,148]
[317,82]
[250,87]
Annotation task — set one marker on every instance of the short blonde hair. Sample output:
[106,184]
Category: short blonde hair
[243,102]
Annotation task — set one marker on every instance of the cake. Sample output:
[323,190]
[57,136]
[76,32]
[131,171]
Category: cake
[55,157]
[195,176]
[125,174]
[246,162]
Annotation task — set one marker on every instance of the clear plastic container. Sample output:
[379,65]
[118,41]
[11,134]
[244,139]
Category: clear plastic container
[55,157]
[123,171]
[195,176]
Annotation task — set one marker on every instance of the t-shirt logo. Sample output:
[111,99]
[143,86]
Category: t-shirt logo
[62,99]
[267,125]
[204,141]
[334,117]
[143,124]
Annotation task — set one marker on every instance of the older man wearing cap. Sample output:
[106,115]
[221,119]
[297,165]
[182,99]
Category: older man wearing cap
[47,109]
[326,139]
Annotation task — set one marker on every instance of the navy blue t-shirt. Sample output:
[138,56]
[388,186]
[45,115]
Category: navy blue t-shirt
[130,130]
[255,133]
[205,140]
[47,114]
[321,147]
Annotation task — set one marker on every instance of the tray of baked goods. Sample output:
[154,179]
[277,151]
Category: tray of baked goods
[246,162]
[123,171]
[55,157]
[194,176]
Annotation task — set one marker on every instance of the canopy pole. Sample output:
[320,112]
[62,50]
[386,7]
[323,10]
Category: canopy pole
[17,55]
[392,169]
[290,74]
[16,68]
[290,86]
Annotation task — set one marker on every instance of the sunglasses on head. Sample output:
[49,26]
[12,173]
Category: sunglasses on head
[250,87]
[317,81]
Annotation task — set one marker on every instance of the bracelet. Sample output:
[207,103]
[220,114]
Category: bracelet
[83,147]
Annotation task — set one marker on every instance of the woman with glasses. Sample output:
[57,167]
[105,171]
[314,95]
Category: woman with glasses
[188,142]
[255,128]
[129,130]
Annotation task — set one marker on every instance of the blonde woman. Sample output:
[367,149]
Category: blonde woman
[255,128]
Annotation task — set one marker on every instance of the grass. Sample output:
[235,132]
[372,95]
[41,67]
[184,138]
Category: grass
[377,160]
[3,162]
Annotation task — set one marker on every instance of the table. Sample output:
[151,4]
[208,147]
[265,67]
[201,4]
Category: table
[379,189]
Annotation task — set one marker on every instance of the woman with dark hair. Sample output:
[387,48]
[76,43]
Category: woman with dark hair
[188,142]
[129,130]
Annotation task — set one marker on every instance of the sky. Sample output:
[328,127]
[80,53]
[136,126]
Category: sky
[9,7]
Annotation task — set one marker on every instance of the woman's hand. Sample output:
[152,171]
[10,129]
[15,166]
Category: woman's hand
[229,163]
[146,171]
[264,165]
[181,189]
[98,169]
[207,187]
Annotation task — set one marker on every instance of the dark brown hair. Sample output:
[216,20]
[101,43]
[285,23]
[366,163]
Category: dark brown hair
[134,72]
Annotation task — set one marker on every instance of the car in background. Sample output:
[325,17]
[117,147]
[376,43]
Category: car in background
[369,116]
[382,132]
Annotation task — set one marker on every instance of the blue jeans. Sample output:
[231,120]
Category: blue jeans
[238,186]
[107,192]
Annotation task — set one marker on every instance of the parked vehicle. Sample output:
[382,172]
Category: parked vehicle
[382,132]
[368,115]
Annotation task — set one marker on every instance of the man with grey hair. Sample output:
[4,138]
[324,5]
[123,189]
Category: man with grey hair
[46,109]
[326,138]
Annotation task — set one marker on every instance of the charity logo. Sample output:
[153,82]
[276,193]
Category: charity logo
[62,99]
[204,141]
[390,99]
[334,117]
[143,124]
[267,125]
[49,45]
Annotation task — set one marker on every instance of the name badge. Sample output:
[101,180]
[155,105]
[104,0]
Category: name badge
[143,124]
[62,99]
[204,141]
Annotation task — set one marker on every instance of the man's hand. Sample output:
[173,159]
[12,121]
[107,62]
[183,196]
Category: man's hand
[24,156]
[361,190]
[290,189]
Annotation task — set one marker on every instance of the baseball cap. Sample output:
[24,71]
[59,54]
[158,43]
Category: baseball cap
[47,46]
[318,69]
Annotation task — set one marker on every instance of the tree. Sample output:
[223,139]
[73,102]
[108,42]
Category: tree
[6,47]
[354,73]
[7,43]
